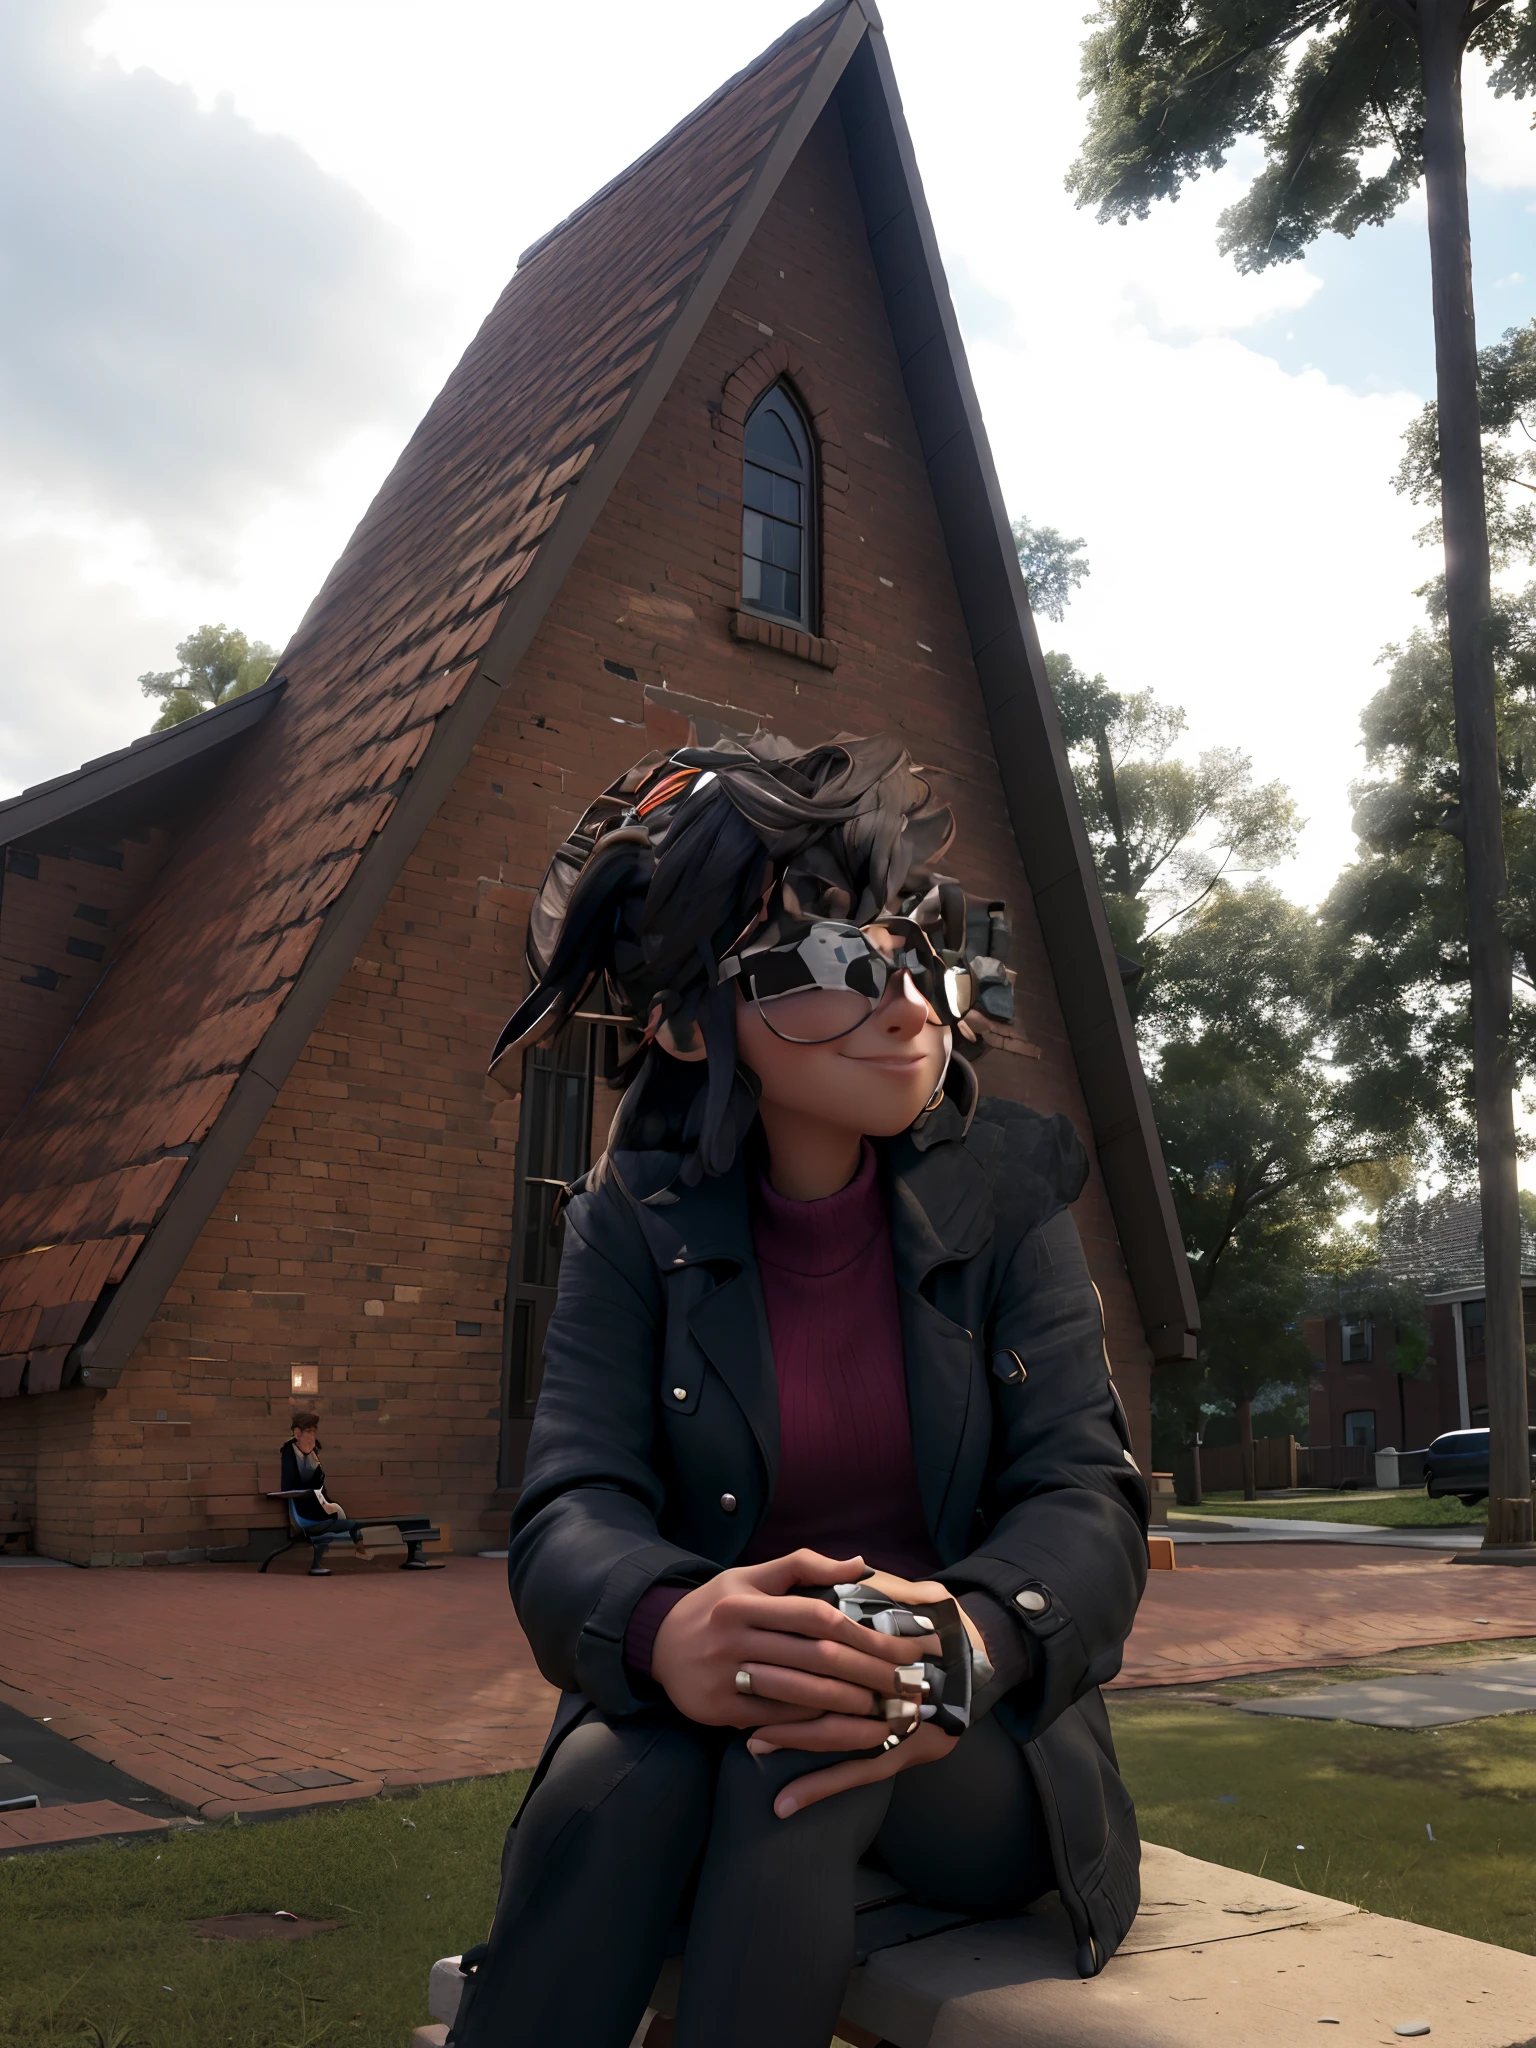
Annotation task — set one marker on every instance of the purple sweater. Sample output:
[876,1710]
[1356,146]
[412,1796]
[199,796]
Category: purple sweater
[847,1484]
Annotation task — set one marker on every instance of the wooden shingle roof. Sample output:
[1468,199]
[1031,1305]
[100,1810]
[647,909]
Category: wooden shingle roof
[118,1158]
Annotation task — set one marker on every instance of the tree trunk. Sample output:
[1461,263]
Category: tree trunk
[1245,1440]
[1468,604]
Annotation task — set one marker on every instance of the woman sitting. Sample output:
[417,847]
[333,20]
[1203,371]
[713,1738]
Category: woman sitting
[304,1477]
[825,1352]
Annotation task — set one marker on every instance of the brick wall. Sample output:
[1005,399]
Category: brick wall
[369,1223]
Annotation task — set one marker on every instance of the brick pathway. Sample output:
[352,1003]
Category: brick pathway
[1280,1606]
[49,1827]
[226,1691]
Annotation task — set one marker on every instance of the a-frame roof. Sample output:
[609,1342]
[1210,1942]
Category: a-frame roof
[115,1164]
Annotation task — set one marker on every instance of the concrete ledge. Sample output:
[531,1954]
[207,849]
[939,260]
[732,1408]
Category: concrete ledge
[1216,1959]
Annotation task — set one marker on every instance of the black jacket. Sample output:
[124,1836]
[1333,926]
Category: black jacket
[307,1507]
[659,1401]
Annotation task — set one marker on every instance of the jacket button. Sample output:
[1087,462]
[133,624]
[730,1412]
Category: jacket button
[728,1503]
[679,1393]
[1031,1601]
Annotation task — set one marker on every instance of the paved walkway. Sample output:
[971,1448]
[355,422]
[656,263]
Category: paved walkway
[223,1691]
[1233,1608]
[226,1691]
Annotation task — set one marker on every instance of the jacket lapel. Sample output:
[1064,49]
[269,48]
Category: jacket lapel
[709,1227]
[940,1214]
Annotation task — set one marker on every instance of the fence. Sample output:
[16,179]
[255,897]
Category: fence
[1279,1463]
[1335,1465]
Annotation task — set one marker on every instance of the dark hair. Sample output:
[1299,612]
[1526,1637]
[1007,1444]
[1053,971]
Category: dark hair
[304,1418]
[672,866]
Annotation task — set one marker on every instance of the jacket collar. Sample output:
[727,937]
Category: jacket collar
[939,1201]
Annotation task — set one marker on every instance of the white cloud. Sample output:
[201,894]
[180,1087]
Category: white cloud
[1501,149]
[195,311]
[73,644]
[1249,555]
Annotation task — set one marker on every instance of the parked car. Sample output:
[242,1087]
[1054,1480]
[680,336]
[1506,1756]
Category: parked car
[1457,1463]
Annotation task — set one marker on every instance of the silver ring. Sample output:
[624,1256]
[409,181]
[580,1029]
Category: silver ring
[743,1681]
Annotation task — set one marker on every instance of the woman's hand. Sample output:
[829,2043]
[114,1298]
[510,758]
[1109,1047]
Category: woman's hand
[917,1593]
[835,1731]
[807,1662]
[840,1731]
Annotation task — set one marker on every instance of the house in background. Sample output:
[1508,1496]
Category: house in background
[1357,1398]
[713,463]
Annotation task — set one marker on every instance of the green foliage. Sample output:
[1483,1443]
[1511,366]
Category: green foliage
[1395,922]
[1328,87]
[215,664]
[1164,831]
[1245,1098]
[1506,401]
[1053,567]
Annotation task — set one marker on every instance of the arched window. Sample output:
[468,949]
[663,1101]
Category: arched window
[778,498]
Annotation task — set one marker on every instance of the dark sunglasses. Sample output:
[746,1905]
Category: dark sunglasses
[815,982]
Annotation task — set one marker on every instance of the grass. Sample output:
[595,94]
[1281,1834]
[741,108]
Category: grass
[99,1949]
[1411,1510]
[1436,1825]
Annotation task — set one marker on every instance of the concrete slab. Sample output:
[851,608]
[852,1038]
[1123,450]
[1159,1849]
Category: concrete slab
[1216,1958]
[1507,1686]
[1289,1529]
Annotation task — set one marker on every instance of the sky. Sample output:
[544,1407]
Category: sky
[243,245]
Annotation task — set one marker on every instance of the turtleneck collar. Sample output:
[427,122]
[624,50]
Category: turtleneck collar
[817,1239]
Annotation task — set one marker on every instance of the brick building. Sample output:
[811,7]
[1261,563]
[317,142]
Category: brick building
[1356,1396]
[253,967]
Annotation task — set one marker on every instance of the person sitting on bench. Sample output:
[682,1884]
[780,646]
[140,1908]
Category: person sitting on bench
[302,1468]
[830,1529]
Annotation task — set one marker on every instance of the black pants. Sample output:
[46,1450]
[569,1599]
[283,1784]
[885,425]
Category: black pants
[637,1820]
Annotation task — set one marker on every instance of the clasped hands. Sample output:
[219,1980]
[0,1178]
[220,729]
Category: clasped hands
[819,1680]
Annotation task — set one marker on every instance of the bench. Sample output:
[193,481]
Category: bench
[1215,1957]
[415,1530]
[19,1533]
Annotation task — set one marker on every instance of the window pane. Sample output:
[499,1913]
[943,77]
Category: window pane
[768,436]
[783,544]
[773,590]
[752,581]
[757,487]
[792,596]
[752,542]
[786,499]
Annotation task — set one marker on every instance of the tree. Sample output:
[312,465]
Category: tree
[1395,922]
[1230,1009]
[1329,87]
[1053,567]
[1164,831]
[1248,1106]
[216,663]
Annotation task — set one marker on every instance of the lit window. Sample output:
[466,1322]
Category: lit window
[778,498]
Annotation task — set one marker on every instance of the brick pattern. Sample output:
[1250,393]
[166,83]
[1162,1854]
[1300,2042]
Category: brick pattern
[1289,1607]
[50,1827]
[384,652]
[367,1232]
[225,1691]
[191,1680]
